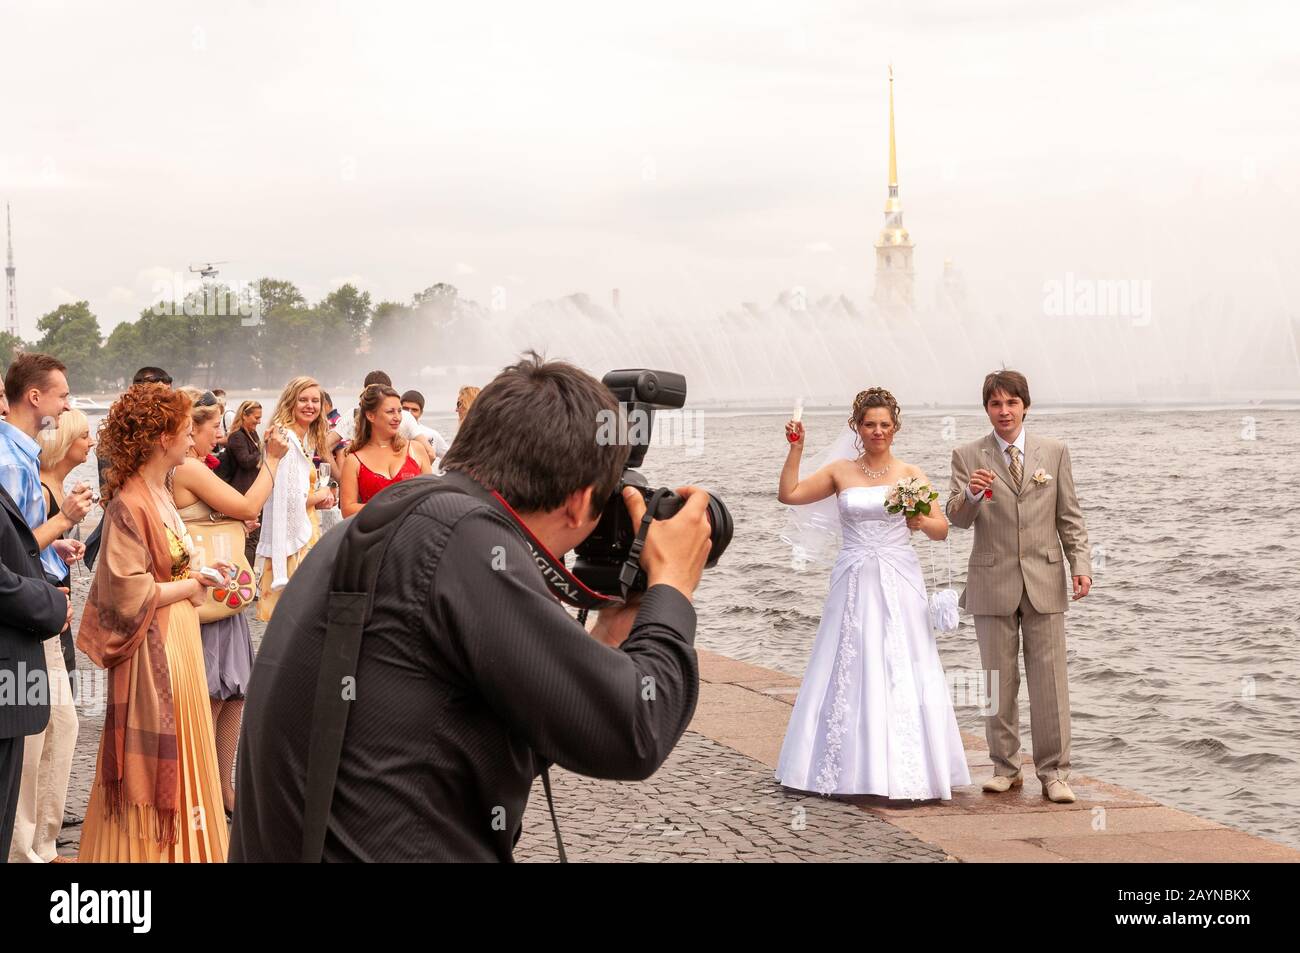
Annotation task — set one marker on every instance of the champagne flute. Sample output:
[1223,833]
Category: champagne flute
[75,532]
[323,475]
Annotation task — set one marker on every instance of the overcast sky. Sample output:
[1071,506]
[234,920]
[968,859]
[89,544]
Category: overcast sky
[703,153]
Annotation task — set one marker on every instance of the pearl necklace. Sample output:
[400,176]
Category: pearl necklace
[872,474]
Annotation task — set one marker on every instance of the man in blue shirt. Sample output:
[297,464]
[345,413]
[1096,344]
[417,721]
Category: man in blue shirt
[36,387]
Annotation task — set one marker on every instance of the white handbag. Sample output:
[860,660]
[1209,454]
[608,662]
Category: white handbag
[945,615]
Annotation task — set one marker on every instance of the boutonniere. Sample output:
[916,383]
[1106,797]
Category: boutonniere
[1041,476]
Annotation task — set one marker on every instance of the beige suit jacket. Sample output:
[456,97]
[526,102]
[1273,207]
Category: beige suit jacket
[1019,537]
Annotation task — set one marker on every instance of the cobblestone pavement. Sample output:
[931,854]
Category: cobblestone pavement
[707,803]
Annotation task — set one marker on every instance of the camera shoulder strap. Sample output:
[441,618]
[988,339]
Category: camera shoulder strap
[348,609]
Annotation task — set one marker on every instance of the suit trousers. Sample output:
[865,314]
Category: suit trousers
[1049,694]
[46,771]
[11,773]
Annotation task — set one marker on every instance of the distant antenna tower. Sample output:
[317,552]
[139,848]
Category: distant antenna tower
[12,325]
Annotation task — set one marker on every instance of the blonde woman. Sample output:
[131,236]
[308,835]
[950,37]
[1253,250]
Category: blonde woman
[47,756]
[291,518]
[201,496]
[64,447]
[244,448]
[464,398]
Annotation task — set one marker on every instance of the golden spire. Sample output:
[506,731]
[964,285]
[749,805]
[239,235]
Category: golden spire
[894,248]
[893,152]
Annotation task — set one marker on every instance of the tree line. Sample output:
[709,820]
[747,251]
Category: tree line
[257,336]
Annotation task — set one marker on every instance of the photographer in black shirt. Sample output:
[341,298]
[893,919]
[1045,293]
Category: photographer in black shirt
[471,677]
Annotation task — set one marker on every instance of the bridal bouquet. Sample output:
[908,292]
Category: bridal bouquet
[911,497]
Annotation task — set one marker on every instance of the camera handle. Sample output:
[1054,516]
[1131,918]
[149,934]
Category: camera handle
[632,565]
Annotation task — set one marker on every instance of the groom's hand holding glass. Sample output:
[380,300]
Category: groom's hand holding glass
[981,483]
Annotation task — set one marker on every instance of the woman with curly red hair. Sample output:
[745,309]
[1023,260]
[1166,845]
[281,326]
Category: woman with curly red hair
[157,790]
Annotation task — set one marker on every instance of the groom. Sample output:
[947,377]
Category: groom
[1017,490]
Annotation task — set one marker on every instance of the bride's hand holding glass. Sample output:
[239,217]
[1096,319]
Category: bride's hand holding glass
[794,433]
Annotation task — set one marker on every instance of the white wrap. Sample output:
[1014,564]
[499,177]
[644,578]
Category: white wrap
[286,527]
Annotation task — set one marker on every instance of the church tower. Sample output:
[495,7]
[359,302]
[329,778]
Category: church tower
[894,247]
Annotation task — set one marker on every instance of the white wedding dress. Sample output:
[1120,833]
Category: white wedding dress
[874,714]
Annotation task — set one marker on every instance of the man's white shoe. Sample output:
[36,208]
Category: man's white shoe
[1002,782]
[1057,790]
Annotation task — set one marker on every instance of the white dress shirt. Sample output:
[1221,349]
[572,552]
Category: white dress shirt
[1018,443]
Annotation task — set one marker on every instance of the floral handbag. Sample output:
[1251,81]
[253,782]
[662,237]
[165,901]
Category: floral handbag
[224,600]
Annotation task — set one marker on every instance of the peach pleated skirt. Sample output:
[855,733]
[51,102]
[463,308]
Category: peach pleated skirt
[202,835]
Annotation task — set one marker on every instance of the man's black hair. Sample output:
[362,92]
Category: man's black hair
[151,375]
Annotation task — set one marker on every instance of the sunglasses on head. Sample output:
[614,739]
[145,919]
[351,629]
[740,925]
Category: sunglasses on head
[207,399]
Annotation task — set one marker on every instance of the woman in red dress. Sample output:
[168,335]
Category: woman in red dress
[379,456]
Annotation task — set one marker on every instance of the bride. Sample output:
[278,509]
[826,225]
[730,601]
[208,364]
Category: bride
[874,715]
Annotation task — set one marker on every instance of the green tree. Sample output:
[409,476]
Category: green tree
[71,333]
[353,307]
[10,345]
[273,293]
[122,354]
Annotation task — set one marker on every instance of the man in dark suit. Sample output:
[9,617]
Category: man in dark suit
[31,611]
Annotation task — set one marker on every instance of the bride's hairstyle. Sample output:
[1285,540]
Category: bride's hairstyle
[875,397]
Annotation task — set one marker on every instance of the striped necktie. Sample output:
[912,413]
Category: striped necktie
[1017,468]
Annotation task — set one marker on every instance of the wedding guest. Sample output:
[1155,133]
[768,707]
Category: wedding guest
[334,440]
[201,498]
[245,450]
[409,428]
[47,756]
[413,404]
[223,431]
[464,400]
[331,460]
[37,389]
[244,445]
[379,456]
[290,518]
[145,375]
[156,794]
[63,449]
[228,415]
[31,612]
